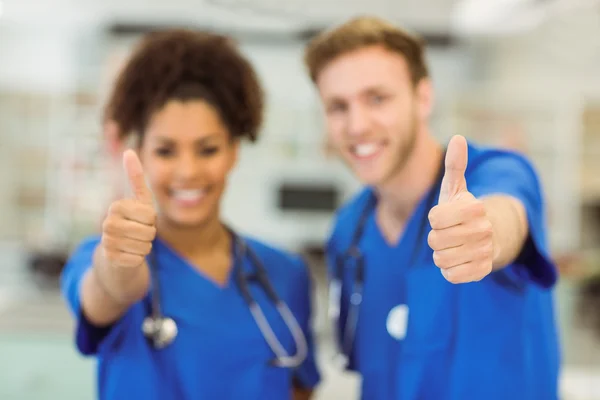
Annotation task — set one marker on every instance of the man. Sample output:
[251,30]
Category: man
[456,300]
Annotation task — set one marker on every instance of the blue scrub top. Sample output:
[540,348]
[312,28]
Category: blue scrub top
[495,339]
[219,352]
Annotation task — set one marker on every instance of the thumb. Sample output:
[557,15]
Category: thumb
[454,181]
[135,174]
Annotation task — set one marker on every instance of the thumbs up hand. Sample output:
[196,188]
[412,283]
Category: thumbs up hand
[129,228]
[462,234]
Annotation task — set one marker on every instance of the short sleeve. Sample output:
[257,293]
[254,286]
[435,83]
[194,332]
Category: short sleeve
[509,173]
[88,337]
[307,375]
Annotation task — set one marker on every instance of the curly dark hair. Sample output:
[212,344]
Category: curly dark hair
[181,64]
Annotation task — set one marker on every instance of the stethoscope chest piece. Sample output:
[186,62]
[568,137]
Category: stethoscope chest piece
[162,330]
[397,321]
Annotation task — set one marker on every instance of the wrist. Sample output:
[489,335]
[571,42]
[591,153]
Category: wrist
[124,286]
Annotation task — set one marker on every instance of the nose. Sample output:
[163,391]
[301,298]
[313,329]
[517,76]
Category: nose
[358,121]
[187,166]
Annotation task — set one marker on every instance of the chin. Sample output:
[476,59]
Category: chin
[187,218]
[188,223]
[372,175]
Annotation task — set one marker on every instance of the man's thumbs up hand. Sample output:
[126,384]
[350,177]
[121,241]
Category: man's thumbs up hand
[454,182]
[461,236]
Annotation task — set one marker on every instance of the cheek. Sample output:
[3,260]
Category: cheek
[218,168]
[335,129]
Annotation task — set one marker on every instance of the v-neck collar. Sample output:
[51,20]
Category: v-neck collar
[167,257]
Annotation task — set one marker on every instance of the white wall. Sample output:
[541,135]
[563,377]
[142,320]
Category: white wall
[290,146]
[41,60]
[553,69]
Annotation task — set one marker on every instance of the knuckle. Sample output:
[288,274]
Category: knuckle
[436,258]
[474,208]
[451,276]
[486,229]
[127,260]
[137,261]
[118,207]
[439,259]
[433,216]
[114,208]
[431,239]
[109,225]
[108,243]
[111,255]
[487,251]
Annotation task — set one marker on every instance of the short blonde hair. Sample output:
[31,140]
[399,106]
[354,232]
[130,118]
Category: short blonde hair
[361,32]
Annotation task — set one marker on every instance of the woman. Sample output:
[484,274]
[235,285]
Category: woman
[189,98]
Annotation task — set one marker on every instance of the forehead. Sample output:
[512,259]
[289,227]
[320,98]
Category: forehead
[362,70]
[189,119]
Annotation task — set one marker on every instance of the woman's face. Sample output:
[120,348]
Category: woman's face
[187,154]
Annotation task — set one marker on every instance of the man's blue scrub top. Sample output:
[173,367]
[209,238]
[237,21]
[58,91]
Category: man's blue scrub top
[219,352]
[491,340]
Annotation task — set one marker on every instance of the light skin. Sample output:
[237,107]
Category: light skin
[177,178]
[378,121]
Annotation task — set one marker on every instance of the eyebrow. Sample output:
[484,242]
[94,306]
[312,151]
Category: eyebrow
[206,138]
[366,91]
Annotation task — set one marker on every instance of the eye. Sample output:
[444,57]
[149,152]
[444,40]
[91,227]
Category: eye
[208,151]
[377,99]
[163,152]
[336,107]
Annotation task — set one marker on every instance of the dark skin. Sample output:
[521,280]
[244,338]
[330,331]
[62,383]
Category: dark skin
[187,147]
[302,394]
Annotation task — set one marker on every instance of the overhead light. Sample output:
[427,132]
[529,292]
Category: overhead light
[498,17]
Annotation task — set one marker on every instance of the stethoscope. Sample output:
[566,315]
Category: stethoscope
[353,254]
[162,331]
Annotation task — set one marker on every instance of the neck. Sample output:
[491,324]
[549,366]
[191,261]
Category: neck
[400,195]
[195,241]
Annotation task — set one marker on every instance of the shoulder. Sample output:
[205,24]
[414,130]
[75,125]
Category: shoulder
[348,214]
[347,217]
[484,161]
[87,243]
[82,253]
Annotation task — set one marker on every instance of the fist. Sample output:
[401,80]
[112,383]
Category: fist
[461,236]
[129,227]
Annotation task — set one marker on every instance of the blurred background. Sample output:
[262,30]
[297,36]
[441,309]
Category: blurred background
[516,73]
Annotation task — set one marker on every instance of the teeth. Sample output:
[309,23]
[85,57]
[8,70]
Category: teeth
[188,195]
[365,150]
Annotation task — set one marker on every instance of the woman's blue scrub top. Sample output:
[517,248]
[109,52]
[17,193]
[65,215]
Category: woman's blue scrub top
[219,352]
[495,339]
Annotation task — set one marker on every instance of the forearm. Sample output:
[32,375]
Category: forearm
[302,394]
[105,297]
[510,227]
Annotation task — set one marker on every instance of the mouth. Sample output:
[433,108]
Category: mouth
[188,197]
[366,151]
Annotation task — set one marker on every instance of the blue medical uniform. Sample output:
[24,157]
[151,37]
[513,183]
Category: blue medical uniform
[219,352]
[495,339]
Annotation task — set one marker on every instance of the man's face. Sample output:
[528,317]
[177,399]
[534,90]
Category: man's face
[373,111]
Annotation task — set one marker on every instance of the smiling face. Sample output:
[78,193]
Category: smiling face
[187,154]
[374,112]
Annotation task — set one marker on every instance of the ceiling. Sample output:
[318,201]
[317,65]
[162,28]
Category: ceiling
[428,16]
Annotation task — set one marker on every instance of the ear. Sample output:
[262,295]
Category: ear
[425,100]
[235,152]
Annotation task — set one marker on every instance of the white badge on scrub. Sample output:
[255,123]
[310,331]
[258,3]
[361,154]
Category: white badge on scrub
[397,321]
